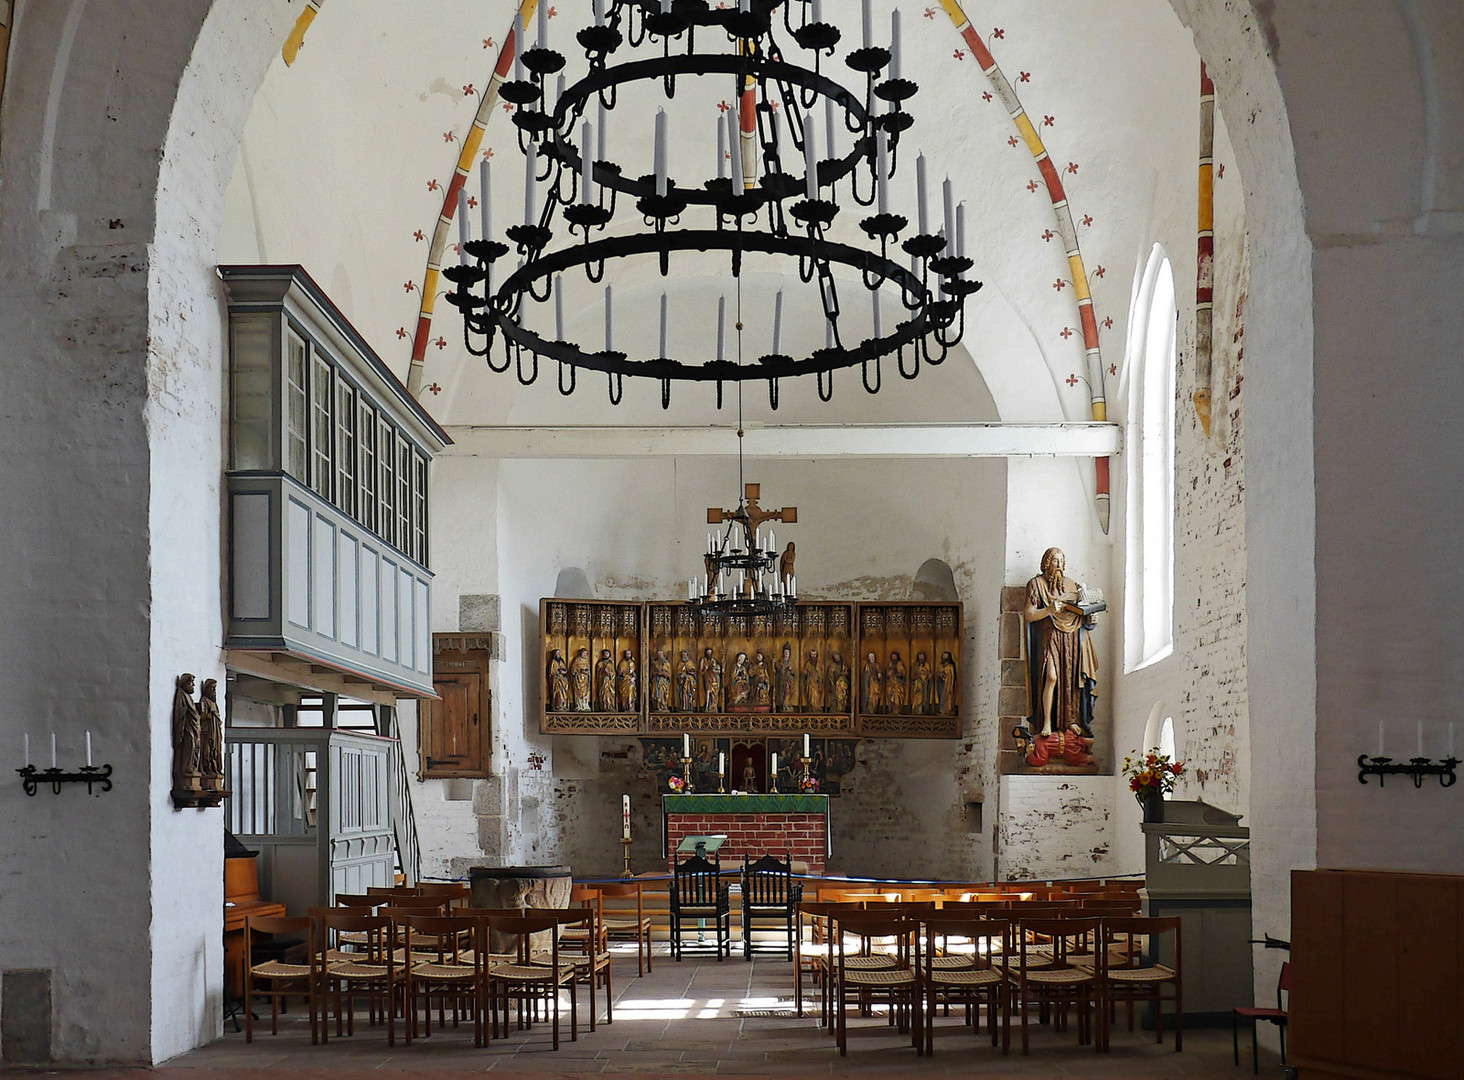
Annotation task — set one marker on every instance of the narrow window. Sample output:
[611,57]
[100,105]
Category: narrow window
[386,487]
[366,470]
[404,496]
[322,432]
[345,449]
[296,424]
[419,509]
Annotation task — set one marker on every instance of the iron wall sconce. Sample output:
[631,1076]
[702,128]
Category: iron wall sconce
[32,778]
[1417,768]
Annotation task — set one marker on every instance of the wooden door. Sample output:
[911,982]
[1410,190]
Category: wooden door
[452,730]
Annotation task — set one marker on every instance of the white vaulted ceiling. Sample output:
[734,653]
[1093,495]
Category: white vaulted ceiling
[350,150]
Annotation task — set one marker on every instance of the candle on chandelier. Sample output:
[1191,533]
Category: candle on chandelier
[810,157]
[1380,738]
[921,201]
[961,232]
[625,816]
[1451,738]
[721,328]
[543,24]
[559,307]
[778,324]
[895,65]
[518,48]
[818,11]
[721,151]
[882,169]
[485,206]
[949,208]
[53,749]
[878,315]
[462,216]
[665,350]
[531,174]
[587,166]
[828,332]
[599,6]
[868,24]
[600,125]
[830,146]
[1420,739]
[609,318]
[661,152]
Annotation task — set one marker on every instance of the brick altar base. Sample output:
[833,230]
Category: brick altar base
[803,836]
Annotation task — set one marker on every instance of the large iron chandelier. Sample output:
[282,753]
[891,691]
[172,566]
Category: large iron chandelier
[756,203]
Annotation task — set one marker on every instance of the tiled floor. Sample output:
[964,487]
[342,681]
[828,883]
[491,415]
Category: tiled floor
[708,1017]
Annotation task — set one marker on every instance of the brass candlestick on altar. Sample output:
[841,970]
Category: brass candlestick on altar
[686,776]
[721,790]
[626,872]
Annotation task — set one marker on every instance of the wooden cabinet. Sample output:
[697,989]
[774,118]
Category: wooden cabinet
[454,732]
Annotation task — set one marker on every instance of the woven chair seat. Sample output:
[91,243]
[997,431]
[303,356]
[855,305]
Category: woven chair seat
[965,977]
[950,963]
[815,950]
[276,969]
[707,912]
[1158,973]
[887,977]
[352,970]
[1060,976]
[434,970]
[626,925]
[869,963]
[525,973]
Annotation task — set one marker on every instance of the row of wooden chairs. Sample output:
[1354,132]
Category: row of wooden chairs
[404,953]
[915,958]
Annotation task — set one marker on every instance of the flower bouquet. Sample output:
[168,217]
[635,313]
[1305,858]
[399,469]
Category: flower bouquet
[677,784]
[808,785]
[1151,776]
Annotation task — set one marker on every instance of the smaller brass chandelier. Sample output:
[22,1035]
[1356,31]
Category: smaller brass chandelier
[745,574]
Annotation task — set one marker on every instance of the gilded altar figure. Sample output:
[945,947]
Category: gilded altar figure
[787,680]
[579,680]
[813,683]
[660,682]
[838,683]
[1062,652]
[920,688]
[945,683]
[605,682]
[739,684]
[711,682]
[871,685]
[186,781]
[762,684]
[558,682]
[210,737]
[686,683]
[625,682]
[895,685]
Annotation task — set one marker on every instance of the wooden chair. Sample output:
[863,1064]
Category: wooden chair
[1130,971]
[276,979]
[1050,971]
[525,982]
[1255,1014]
[699,894]
[966,964]
[366,964]
[586,946]
[813,951]
[770,900]
[438,963]
[457,894]
[898,984]
[623,929]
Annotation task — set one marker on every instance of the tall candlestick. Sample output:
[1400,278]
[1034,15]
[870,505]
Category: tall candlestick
[810,157]
[558,307]
[922,203]
[721,328]
[949,208]
[485,203]
[531,175]
[665,350]
[609,318]
[88,750]
[625,816]
[882,169]
[778,324]
[661,152]
[587,166]
[895,65]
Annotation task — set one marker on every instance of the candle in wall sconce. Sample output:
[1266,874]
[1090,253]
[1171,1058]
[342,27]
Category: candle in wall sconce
[1380,739]
[1420,739]
[88,750]
[26,742]
[53,749]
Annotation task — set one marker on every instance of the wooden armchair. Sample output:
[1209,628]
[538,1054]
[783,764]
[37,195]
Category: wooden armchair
[770,900]
[699,894]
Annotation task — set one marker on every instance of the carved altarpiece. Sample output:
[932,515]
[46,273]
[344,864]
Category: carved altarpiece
[591,672]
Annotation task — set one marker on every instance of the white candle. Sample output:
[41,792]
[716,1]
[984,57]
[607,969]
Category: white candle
[1380,738]
[868,24]
[777,128]
[778,324]
[721,328]
[625,816]
[661,152]
[26,741]
[950,215]
[462,216]
[665,7]
[543,14]
[810,157]
[1420,739]
[691,588]
[828,332]
[600,126]
[531,171]
[878,315]
[599,7]
[609,319]
[775,766]
[805,744]
[721,763]
[664,350]
[734,142]
[518,48]
[88,750]
[559,307]
[53,749]
[921,201]
[1451,738]
[686,746]
[961,231]
[485,204]
[882,169]
[793,584]
[721,151]
[830,146]
[895,64]
[558,93]
[772,540]
[818,11]
[587,166]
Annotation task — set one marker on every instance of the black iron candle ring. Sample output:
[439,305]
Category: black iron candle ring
[32,778]
[1416,768]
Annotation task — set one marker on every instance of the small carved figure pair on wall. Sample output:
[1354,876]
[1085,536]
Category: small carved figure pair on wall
[198,745]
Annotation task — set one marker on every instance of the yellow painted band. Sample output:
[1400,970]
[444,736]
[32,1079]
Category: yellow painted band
[297,36]
[953,9]
[429,290]
[471,141]
[1080,277]
[1029,133]
[1100,411]
[1207,198]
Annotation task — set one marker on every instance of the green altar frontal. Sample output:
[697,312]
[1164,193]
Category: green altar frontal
[792,826]
[745,804]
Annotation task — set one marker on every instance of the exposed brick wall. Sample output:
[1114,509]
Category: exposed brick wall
[803,836]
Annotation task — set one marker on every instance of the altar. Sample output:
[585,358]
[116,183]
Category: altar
[754,825]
